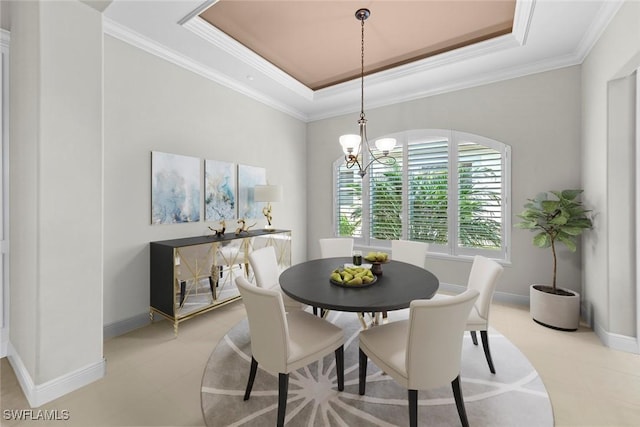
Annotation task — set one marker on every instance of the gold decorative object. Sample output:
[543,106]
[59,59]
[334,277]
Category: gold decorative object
[268,193]
[220,232]
[243,226]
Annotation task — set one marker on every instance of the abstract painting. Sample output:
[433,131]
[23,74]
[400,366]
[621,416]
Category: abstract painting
[175,188]
[219,190]
[248,178]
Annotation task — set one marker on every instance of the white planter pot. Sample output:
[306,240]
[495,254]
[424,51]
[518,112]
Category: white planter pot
[555,311]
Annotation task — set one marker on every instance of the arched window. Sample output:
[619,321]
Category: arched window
[449,189]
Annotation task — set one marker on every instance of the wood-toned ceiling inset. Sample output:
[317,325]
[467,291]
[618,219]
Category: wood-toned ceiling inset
[318,42]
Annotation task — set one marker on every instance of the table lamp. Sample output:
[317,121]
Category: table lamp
[267,193]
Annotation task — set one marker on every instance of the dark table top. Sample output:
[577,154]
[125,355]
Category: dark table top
[400,283]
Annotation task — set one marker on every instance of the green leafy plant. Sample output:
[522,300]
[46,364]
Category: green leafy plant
[557,217]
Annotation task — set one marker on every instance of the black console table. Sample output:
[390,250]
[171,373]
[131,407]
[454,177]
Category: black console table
[193,275]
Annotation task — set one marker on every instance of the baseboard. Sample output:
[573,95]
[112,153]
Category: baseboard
[38,395]
[503,297]
[616,341]
[127,325]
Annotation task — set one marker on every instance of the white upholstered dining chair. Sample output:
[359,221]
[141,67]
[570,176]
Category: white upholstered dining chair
[422,352]
[409,251]
[266,271]
[483,277]
[336,247]
[284,342]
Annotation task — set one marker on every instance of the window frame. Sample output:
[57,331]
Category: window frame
[452,249]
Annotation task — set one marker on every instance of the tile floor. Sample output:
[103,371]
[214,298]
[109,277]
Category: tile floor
[153,379]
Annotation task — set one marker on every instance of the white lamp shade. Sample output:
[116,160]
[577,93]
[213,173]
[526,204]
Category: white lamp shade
[267,193]
[385,144]
[349,143]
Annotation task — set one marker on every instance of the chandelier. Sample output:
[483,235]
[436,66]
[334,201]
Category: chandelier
[351,143]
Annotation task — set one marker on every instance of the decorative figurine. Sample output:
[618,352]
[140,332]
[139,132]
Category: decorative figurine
[220,232]
[244,227]
[266,211]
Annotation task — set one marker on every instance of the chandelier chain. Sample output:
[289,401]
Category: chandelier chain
[362,69]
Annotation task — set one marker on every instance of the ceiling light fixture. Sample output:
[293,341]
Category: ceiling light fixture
[351,143]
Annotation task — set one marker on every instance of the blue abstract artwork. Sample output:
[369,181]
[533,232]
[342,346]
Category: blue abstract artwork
[219,190]
[248,178]
[175,188]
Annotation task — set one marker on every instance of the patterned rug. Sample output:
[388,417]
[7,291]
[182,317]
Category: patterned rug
[514,396]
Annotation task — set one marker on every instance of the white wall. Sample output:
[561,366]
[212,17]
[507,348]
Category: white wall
[537,115]
[56,197]
[151,104]
[609,297]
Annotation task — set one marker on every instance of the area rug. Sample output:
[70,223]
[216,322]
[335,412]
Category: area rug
[514,396]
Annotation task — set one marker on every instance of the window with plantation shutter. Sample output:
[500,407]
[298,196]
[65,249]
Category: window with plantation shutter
[449,189]
[428,182]
[385,199]
[480,184]
[348,200]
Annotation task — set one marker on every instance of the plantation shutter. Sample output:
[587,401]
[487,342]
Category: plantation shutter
[480,183]
[385,208]
[427,176]
[348,204]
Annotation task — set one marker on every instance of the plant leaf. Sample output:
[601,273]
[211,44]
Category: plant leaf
[542,240]
[568,242]
[570,194]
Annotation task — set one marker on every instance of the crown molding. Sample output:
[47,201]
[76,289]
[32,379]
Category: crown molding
[522,20]
[606,13]
[126,35]
[219,39]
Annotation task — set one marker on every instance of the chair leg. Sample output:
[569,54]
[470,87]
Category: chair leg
[362,373]
[340,367]
[457,394]
[487,353]
[252,377]
[474,337]
[283,390]
[413,408]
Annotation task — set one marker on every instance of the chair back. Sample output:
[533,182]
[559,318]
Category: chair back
[434,342]
[409,251]
[336,247]
[264,263]
[483,278]
[267,325]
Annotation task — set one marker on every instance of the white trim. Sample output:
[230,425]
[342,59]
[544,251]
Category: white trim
[38,395]
[607,11]
[126,35]
[616,341]
[522,20]
[4,193]
[221,40]
[637,272]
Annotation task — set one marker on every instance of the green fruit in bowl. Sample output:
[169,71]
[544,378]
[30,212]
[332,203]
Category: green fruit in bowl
[355,281]
[377,257]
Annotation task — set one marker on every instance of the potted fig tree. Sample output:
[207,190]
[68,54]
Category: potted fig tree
[557,217]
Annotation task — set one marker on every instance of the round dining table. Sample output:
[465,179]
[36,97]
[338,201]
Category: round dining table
[398,285]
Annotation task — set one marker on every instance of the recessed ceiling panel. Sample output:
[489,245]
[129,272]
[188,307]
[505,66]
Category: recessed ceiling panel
[318,42]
